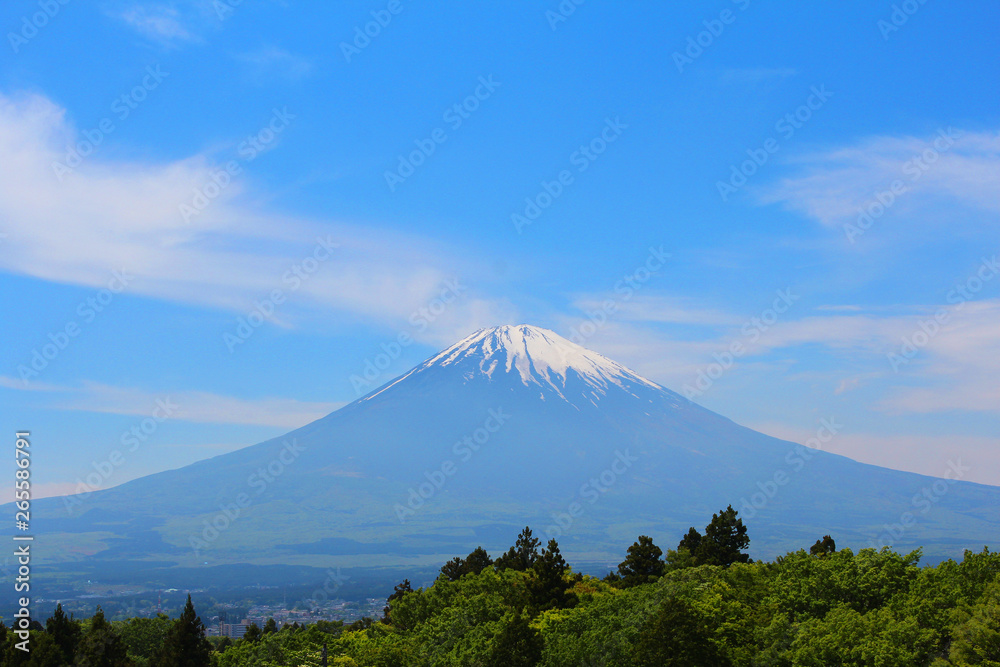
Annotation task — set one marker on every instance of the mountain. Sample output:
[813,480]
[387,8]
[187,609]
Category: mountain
[511,426]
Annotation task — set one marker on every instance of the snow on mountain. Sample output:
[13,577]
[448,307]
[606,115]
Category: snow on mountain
[535,356]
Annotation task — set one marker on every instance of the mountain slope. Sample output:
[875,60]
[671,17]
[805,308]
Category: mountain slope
[510,426]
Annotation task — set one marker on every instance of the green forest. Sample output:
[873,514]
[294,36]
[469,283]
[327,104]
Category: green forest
[704,603]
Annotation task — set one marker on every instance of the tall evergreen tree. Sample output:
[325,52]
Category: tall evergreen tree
[399,591]
[65,631]
[724,541]
[722,544]
[823,547]
[185,644]
[474,563]
[270,627]
[643,563]
[101,645]
[252,634]
[454,569]
[691,541]
[547,586]
[478,560]
[522,555]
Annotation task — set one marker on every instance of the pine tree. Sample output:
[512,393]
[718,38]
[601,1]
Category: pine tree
[399,591]
[691,541]
[547,587]
[478,560]
[185,644]
[270,627]
[724,540]
[722,544]
[643,563]
[453,569]
[252,634]
[65,631]
[823,547]
[101,646]
[475,563]
[522,555]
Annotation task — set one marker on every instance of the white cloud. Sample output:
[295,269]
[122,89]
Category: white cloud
[923,454]
[951,168]
[955,369]
[198,406]
[160,23]
[108,216]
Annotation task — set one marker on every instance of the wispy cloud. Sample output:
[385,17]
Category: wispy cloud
[935,173]
[955,369]
[197,406]
[919,453]
[122,215]
[160,23]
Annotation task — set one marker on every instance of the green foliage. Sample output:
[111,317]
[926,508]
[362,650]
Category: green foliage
[65,633]
[822,607]
[400,590]
[474,563]
[823,547]
[643,564]
[522,555]
[977,637]
[547,585]
[677,636]
[185,644]
[144,637]
[101,645]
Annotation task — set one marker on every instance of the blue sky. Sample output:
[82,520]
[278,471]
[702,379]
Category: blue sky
[168,169]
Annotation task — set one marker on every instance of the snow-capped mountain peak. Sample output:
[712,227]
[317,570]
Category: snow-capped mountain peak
[534,357]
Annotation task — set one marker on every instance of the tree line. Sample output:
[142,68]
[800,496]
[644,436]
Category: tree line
[704,603]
